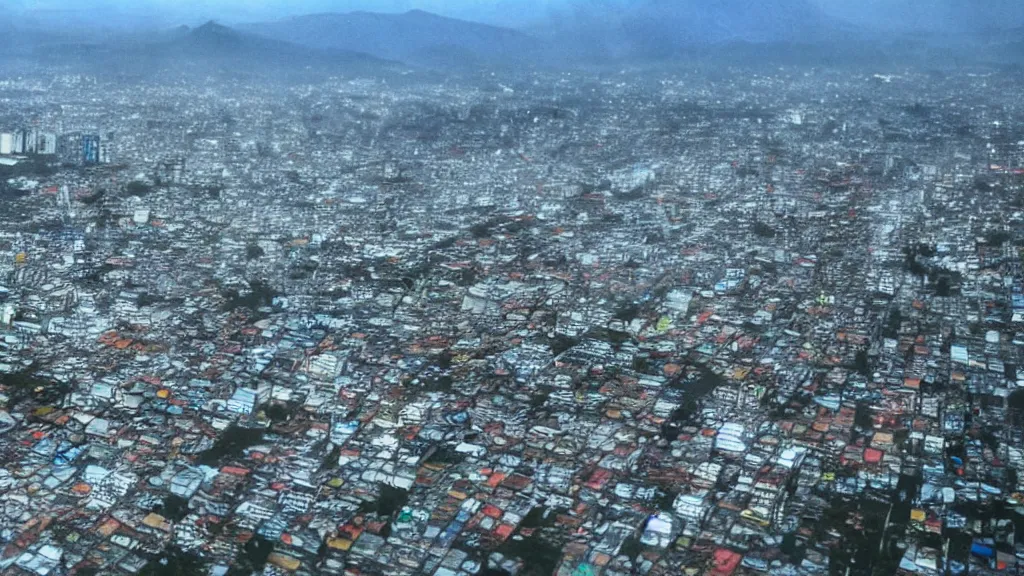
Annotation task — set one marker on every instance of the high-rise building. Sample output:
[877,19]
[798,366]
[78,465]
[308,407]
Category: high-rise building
[6,143]
[19,142]
[31,141]
[90,149]
[107,149]
[69,147]
[47,143]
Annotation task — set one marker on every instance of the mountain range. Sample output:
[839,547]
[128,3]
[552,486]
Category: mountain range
[415,37]
[601,32]
[614,32]
[215,41]
[206,48]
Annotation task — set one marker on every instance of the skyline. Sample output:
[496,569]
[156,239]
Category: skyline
[883,15]
[126,12]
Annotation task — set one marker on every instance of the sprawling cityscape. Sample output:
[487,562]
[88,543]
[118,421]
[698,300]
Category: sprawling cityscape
[674,320]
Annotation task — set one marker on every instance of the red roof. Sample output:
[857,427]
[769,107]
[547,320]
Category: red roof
[234,470]
[873,455]
[726,562]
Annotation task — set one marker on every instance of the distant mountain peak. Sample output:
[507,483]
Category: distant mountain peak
[415,36]
[213,27]
[213,39]
[423,14]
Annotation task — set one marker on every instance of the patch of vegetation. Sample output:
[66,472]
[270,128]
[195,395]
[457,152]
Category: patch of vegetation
[539,517]
[136,188]
[892,327]
[331,459]
[260,295]
[25,385]
[390,502]
[231,444]
[437,383]
[105,218]
[279,412]
[174,508]
[560,343]
[538,400]
[640,364]
[665,500]
[860,362]
[763,230]
[467,277]
[627,313]
[253,251]
[173,562]
[33,167]
[1015,403]
[94,197]
[862,416]
[997,237]
[480,231]
[445,455]
[631,547]
[540,555]
[147,299]
[252,558]
[911,263]
[614,337]
[705,383]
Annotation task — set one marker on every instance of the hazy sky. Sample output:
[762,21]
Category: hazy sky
[510,11]
[881,14]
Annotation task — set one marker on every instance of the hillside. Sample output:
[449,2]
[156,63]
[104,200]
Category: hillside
[415,37]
